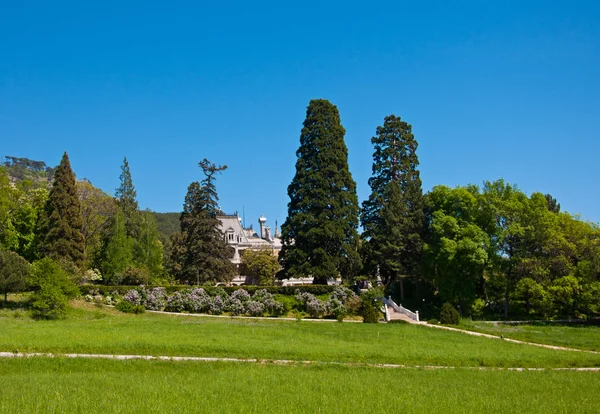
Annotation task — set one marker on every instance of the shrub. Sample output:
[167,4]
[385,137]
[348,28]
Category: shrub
[256,308]
[342,294]
[449,315]
[218,306]
[433,322]
[127,307]
[133,296]
[335,307]
[370,304]
[315,307]
[52,289]
[353,305]
[236,307]
[50,303]
[197,301]
[154,299]
[242,295]
[175,302]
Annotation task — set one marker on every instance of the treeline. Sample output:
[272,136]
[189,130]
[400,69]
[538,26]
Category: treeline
[90,234]
[26,169]
[490,251]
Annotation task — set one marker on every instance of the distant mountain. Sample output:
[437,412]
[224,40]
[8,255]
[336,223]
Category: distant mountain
[167,223]
[21,169]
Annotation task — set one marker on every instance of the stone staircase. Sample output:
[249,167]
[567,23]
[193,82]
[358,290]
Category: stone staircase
[394,311]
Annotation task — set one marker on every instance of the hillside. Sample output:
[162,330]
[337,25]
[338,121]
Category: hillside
[167,223]
[21,169]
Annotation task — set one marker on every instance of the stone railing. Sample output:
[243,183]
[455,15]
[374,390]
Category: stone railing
[400,309]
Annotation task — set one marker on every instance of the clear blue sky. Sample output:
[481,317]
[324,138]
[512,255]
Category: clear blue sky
[504,89]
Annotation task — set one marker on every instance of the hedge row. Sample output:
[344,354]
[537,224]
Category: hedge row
[275,290]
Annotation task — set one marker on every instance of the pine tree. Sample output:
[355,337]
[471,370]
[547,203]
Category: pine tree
[393,216]
[61,224]
[320,236]
[115,257]
[203,253]
[126,195]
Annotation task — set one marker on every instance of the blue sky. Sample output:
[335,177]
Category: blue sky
[500,89]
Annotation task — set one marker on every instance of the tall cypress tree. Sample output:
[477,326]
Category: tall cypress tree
[203,251]
[61,224]
[320,236]
[126,195]
[393,216]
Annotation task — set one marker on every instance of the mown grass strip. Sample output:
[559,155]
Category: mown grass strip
[108,386]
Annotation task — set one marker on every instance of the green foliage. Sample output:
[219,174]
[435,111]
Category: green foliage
[370,305]
[433,322]
[127,307]
[260,265]
[457,248]
[200,252]
[167,225]
[97,208]
[13,273]
[393,216]
[320,236]
[61,225]
[116,255]
[125,195]
[449,315]
[52,288]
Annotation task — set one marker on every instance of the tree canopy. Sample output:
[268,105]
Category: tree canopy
[319,236]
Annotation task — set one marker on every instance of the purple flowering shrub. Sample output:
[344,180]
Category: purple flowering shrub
[218,306]
[197,301]
[256,308]
[133,297]
[342,294]
[175,303]
[335,307]
[315,308]
[154,299]
[242,295]
[236,307]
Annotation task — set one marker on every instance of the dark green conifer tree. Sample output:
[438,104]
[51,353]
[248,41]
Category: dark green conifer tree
[393,216]
[203,253]
[126,195]
[320,236]
[61,224]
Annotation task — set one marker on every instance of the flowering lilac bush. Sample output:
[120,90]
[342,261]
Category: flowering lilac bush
[154,299]
[133,297]
[242,295]
[197,301]
[175,303]
[236,307]
[218,306]
[256,308]
[315,308]
[342,294]
[335,307]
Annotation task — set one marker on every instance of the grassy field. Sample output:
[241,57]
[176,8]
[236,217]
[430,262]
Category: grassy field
[79,386]
[572,336]
[92,330]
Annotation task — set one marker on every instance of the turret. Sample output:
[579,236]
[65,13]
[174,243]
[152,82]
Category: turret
[261,222]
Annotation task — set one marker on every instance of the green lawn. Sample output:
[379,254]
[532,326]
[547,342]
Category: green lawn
[92,330]
[573,336]
[83,386]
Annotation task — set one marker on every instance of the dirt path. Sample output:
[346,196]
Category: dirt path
[516,341]
[275,362]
